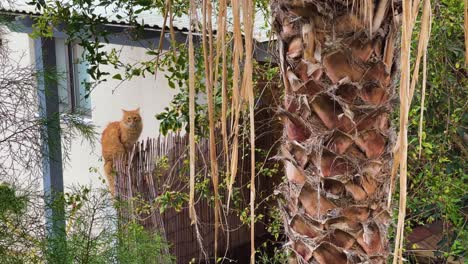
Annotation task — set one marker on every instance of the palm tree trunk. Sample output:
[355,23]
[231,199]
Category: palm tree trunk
[338,62]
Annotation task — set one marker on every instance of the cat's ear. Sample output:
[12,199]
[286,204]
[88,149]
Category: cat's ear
[124,111]
[138,110]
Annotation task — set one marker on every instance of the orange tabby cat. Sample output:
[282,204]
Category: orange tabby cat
[117,139]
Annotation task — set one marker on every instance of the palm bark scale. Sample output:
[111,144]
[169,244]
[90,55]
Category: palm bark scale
[339,62]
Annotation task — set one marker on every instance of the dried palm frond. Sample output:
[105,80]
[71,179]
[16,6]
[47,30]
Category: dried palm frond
[207,44]
[238,52]
[192,211]
[167,12]
[247,15]
[407,87]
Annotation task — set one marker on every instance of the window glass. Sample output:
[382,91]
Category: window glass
[81,77]
[62,77]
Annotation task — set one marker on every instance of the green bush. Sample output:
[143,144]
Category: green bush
[93,232]
[437,179]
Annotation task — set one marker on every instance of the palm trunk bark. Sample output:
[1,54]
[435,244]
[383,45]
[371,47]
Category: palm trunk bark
[338,62]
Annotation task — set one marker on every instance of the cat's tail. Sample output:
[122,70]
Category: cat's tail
[109,172]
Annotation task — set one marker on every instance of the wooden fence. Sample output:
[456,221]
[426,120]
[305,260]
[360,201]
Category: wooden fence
[160,165]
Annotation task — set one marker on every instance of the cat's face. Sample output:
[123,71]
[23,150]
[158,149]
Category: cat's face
[131,118]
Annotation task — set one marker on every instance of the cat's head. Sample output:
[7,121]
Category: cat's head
[131,118]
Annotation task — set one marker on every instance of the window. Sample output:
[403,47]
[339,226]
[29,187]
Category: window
[80,101]
[72,77]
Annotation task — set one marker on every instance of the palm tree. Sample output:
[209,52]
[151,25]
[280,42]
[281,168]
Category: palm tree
[338,60]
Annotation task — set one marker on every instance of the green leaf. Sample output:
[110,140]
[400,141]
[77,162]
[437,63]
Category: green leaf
[117,76]
[171,84]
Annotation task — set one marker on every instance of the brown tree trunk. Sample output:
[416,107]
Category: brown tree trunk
[338,61]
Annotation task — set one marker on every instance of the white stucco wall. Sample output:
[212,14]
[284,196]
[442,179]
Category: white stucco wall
[20,45]
[151,94]
[107,100]
[20,48]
